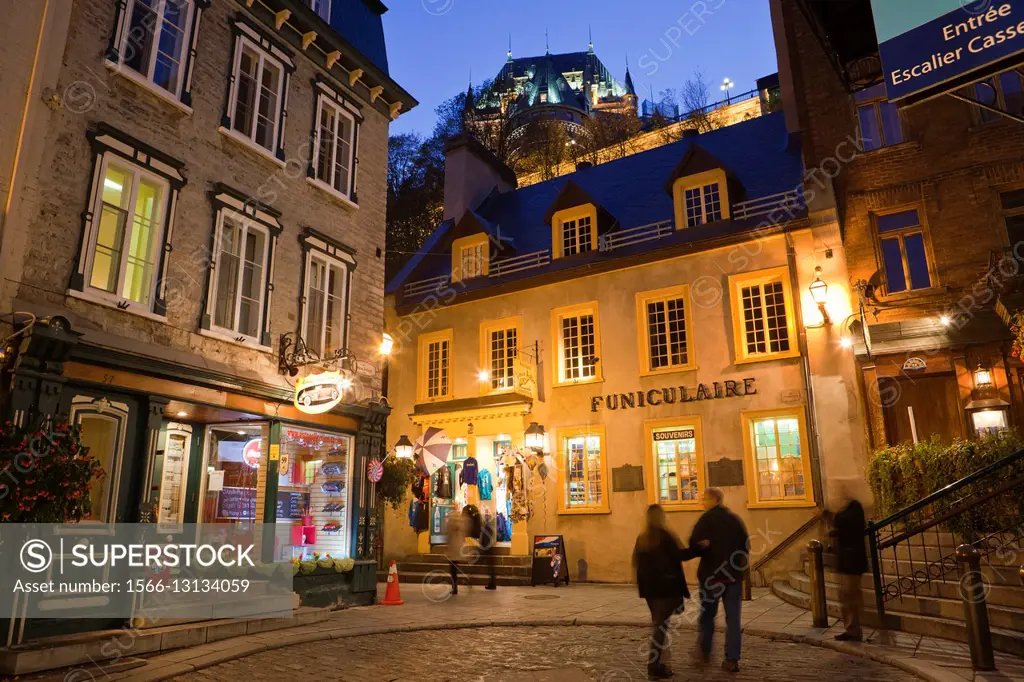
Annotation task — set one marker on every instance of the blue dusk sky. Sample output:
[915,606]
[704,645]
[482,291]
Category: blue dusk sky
[433,45]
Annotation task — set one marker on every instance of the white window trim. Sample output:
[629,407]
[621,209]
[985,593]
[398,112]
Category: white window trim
[91,293]
[339,111]
[264,55]
[703,203]
[344,267]
[147,79]
[248,224]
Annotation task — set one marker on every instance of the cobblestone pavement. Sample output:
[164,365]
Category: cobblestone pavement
[569,653]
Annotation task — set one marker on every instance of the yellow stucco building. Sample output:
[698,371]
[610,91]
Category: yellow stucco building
[656,317]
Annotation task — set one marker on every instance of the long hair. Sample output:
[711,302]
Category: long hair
[654,526]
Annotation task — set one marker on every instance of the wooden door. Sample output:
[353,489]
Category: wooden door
[934,400]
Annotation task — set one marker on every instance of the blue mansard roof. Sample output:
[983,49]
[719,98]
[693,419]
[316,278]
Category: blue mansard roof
[360,23]
[759,157]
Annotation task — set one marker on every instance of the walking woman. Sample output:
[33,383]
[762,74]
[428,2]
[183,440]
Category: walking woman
[658,558]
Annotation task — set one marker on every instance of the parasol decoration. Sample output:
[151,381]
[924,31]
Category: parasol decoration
[431,450]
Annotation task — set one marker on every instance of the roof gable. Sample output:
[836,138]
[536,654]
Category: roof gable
[571,196]
[697,160]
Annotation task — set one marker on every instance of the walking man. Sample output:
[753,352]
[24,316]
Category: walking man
[852,562]
[720,538]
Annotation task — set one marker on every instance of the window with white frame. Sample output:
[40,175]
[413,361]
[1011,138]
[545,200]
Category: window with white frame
[326,283]
[703,204]
[776,448]
[255,108]
[240,273]
[503,345]
[154,40]
[438,357]
[130,211]
[335,144]
[577,236]
[472,258]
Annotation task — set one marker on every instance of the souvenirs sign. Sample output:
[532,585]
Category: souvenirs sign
[319,393]
[675,394]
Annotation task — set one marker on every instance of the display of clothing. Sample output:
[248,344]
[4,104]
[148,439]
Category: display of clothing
[504,529]
[443,483]
[417,489]
[414,507]
[484,485]
[470,471]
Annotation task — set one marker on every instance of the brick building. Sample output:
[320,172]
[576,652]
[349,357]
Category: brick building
[929,206]
[194,219]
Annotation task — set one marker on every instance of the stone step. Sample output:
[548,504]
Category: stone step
[415,579]
[1001,595]
[999,616]
[1006,641]
[916,552]
[992,575]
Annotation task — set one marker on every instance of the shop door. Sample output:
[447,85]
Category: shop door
[929,405]
[234,481]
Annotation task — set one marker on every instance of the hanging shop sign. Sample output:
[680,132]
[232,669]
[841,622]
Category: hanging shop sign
[251,453]
[318,393]
[668,396]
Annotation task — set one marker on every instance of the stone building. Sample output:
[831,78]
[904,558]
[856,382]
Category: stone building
[930,208]
[626,334]
[194,221]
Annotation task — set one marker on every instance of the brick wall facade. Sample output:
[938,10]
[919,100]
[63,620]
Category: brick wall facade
[94,94]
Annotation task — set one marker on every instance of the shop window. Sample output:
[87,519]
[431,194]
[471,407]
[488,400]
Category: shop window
[103,427]
[701,198]
[470,257]
[314,491]
[577,343]
[152,41]
[235,476]
[334,161]
[574,231]
[763,321]
[777,461]
[585,474]
[675,451]
[435,366]
[499,344]
[901,241]
[326,304]
[171,469]
[880,122]
[665,330]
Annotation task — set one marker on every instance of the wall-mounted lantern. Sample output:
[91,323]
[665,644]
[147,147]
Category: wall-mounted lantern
[819,293]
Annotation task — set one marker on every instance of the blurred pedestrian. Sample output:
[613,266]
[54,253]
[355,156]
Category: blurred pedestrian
[658,557]
[848,528]
[488,539]
[721,540]
[456,528]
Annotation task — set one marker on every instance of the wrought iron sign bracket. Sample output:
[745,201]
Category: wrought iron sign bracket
[293,354]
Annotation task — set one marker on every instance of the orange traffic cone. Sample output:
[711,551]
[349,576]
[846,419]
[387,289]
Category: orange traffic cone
[392,596]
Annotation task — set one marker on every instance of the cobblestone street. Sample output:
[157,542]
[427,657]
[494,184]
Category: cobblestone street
[610,654]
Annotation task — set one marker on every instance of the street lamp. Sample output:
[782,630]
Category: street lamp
[403,448]
[727,84]
[535,437]
[387,345]
[819,292]
[982,377]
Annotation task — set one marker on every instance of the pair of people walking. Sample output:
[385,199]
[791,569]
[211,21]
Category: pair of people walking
[720,540]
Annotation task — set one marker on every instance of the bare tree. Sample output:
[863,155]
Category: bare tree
[695,99]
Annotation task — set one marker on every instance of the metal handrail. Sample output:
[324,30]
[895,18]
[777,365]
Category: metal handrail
[785,544]
[948,490]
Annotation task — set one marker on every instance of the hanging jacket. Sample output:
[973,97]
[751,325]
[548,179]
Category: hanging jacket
[469,473]
[443,487]
[484,485]
[414,511]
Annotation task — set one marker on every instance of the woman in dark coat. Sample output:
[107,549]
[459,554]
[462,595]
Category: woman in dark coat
[658,557]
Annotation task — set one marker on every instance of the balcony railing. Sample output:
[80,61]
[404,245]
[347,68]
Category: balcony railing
[527,261]
[426,286]
[788,202]
[636,235]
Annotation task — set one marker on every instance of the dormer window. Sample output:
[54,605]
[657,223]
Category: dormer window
[576,235]
[703,204]
[700,190]
[470,257]
[574,231]
[321,7]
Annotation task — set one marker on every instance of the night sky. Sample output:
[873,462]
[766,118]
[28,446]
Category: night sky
[434,44]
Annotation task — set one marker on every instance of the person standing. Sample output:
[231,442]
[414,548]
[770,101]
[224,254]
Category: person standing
[488,538]
[658,557]
[848,527]
[724,547]
[456,528]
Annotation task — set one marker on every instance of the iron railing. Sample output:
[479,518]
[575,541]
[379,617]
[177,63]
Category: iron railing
[527,261]
[789,202]
[916,546]
[636,235]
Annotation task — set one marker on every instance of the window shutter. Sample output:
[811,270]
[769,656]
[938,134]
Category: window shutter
[271,255]
[355,161]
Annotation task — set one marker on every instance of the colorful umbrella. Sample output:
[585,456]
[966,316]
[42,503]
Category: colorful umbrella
[431,450]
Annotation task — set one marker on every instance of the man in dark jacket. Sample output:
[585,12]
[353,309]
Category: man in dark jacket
[851,563]
[720,538]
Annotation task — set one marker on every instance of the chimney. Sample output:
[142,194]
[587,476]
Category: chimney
[471,172]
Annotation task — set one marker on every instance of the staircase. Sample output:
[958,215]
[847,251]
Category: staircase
[422,568]
[915,581]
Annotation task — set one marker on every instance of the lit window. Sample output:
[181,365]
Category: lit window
[435,355]
[256,102]
[239,276]
[665,332]
[703,205]
[576,236]
[677,465]
[335,147]
[581,453]
[904,256]
[777,458]
[504,346]
[131,206]
[470,257]
[326,281]
[880,123]
[155,41]
[763,320]
[472,260]
[577,343]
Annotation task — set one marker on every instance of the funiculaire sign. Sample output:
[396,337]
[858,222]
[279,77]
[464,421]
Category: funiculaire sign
[668,396]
